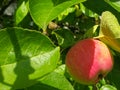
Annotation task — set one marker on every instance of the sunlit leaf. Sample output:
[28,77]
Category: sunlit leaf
[43,11]
[108,87]
[110,30]
[25,56]
[21,12]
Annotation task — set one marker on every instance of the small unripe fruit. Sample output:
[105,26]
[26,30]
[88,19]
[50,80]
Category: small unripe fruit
[88,61]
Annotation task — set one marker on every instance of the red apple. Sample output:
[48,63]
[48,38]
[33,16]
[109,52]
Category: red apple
[88,61]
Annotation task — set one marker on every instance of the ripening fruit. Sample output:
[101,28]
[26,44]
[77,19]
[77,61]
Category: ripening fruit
[88,61]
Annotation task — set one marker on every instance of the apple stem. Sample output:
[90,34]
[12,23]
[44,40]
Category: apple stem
[100,76]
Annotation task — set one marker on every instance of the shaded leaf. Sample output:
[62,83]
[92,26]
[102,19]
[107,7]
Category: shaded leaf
[90,33]
[78,86]
[25,55]
[65,37]
[87,11]
[41,86]
[43,11]
[114,75]
[65,13]
[86,24]
[114,3]
[101,6]
[54,81]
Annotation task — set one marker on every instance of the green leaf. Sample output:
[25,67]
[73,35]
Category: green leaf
[79,86]
[109,25]
[21,12]
[65,37]
[110,30]
[87,11]
[101,6]
[25,56]
[54,81]
[65,13]
[114,75]
[43,11]
[114,3]
[90,33]
[108,87]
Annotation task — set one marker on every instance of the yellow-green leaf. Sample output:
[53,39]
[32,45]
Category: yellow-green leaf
[110,30]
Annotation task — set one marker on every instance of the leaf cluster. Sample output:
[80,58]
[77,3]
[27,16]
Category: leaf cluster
[35,36]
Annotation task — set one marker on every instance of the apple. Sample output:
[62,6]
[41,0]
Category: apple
[88,61]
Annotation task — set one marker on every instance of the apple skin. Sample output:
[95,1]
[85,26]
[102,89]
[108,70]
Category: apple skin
[88,61]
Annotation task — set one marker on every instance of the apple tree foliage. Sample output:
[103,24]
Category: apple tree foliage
[35,36]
